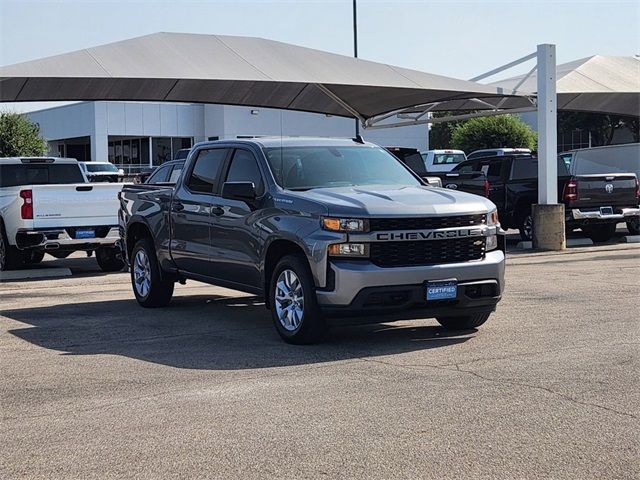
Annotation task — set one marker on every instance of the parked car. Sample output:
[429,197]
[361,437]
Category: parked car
[46,205]
[594,202]
[168,172]
[436,161]
[322,228]
[101,171]
[497,152]
[609,159]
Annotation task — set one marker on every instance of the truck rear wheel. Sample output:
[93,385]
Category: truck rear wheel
[108,260]
[525,226]
[10,257]
[633,226]
[150,289]
[600,232]
[294,307]
[466,322]
[33,257]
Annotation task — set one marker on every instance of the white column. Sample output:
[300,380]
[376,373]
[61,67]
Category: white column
[547,126]
[99,148]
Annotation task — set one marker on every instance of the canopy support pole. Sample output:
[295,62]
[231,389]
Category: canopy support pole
[548,215]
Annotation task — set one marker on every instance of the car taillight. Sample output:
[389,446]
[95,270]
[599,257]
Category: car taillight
[26,211]
[570,193]
[487,188]
[637,188]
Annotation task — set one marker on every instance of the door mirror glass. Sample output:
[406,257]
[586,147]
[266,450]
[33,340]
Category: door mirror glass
[243,191]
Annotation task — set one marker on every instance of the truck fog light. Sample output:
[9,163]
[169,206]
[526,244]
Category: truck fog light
[492,243]
[349,250]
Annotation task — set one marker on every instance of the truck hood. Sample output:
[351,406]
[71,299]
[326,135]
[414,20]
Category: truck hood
[384,200]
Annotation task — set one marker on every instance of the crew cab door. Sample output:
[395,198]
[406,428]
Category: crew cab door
[235,238]
[191,211]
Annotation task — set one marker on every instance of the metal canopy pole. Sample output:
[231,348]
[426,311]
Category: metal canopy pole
[547,126]
[548,216]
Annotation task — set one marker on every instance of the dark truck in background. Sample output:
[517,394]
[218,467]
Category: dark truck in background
[323,228]
[596,203]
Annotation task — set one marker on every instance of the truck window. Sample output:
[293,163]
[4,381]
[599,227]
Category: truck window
[160,175]
[204,176]
[448,158]
[527,168]
[467,167]
[39,174]
[244,168]
[416,163]
[493,172]
[175,174]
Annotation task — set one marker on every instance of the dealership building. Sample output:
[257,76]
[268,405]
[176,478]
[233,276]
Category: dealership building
[135,135]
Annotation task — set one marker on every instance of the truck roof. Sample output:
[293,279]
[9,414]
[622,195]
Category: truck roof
[276,141]
[15,160]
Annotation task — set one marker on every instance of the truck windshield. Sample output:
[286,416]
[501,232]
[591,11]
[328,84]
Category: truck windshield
[448,158]
[304,168]
[39,174]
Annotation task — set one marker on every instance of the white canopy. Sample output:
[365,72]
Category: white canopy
[241,71]
[600,84]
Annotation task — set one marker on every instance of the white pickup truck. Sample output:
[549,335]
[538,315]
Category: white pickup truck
[47,205]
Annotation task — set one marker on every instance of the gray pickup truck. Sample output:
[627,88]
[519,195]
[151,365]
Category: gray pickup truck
[323,228]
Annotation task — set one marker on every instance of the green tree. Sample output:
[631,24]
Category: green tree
[493,132]
[20,137]
[440,133]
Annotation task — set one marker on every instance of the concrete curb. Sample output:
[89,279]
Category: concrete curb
[34,274]
[631,239]
[579,242]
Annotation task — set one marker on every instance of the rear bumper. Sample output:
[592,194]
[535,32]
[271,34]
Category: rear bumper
[59,239]
[597,214]
[355,284]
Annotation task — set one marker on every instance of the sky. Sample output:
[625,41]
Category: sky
[454,38]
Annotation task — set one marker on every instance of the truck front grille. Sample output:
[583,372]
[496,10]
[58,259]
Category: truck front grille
[425,223]
[429,252]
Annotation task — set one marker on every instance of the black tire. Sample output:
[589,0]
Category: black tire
[525,226]
[10,257]
[633,226]
[311,326]
[467,322]
[601,232]
[33,257]
[108,260]
[159,291]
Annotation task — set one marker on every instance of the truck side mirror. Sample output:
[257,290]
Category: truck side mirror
[243,191]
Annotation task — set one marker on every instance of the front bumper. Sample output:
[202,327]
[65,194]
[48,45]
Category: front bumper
[351,278]
[60,239]
[601,216]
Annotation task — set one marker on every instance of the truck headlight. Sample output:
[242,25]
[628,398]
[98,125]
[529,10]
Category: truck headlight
[492,243]
[343,224]
[349,250]
[492,218]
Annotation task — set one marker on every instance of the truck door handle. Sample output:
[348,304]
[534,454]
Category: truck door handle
[217,210]
[177,207]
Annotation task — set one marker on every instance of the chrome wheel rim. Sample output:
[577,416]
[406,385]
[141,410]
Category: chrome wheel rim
[528,227]
[141,273]
[289,300]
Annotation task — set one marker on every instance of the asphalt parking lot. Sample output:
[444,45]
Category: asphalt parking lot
[92,386]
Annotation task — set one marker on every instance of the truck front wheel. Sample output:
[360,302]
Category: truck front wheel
[294,307]
[466,322]
[150,289]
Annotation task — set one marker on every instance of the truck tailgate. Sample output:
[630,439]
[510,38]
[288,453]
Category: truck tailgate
[76,205]
[606,190]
